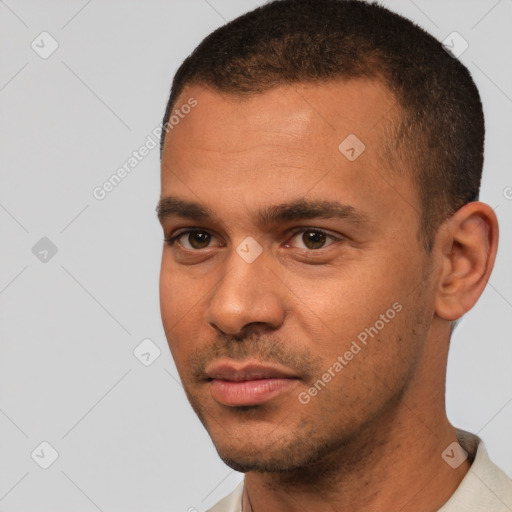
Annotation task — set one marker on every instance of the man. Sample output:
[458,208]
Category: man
[321,162]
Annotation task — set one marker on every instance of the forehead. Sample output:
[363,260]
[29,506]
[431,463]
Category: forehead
[318,140]
[356,105]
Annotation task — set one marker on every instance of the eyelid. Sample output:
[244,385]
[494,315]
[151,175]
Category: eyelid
[302,229]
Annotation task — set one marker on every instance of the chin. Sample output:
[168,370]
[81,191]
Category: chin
[260,462]
[286,452]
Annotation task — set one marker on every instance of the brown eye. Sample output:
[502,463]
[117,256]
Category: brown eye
[314,239]
[198,239]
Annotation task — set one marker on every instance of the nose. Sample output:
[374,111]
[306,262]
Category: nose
[247,293]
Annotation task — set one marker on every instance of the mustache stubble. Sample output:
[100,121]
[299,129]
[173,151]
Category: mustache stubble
[261,348]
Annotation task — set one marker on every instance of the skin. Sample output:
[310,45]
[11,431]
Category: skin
[372,438]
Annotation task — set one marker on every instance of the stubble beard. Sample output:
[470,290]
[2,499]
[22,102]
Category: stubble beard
[306,454]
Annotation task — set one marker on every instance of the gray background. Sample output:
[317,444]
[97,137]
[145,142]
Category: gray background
[126,437]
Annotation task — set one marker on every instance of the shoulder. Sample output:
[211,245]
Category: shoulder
[486,487]
[232,502]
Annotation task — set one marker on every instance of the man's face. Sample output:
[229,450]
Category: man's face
[292,329]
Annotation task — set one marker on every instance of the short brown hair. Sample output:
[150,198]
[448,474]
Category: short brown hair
[440,133]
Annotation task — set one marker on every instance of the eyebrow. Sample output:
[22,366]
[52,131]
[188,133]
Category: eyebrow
[300,209]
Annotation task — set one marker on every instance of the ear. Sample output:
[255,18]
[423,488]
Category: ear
[467,242]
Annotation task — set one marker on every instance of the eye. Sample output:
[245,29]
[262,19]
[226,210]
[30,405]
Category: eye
[312,239]
[192,239]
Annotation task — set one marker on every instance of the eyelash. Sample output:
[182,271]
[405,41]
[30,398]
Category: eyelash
[171,240]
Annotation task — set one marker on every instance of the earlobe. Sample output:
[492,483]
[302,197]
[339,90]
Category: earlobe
[468,242]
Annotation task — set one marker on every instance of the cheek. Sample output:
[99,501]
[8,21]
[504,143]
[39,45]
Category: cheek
[178,293]
[348,301]
[362,374]
[177,309]
[166,295]
[358,321]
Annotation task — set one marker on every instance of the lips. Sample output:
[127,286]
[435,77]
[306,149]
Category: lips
[244,384]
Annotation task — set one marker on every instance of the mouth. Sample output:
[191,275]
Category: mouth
[236,384]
